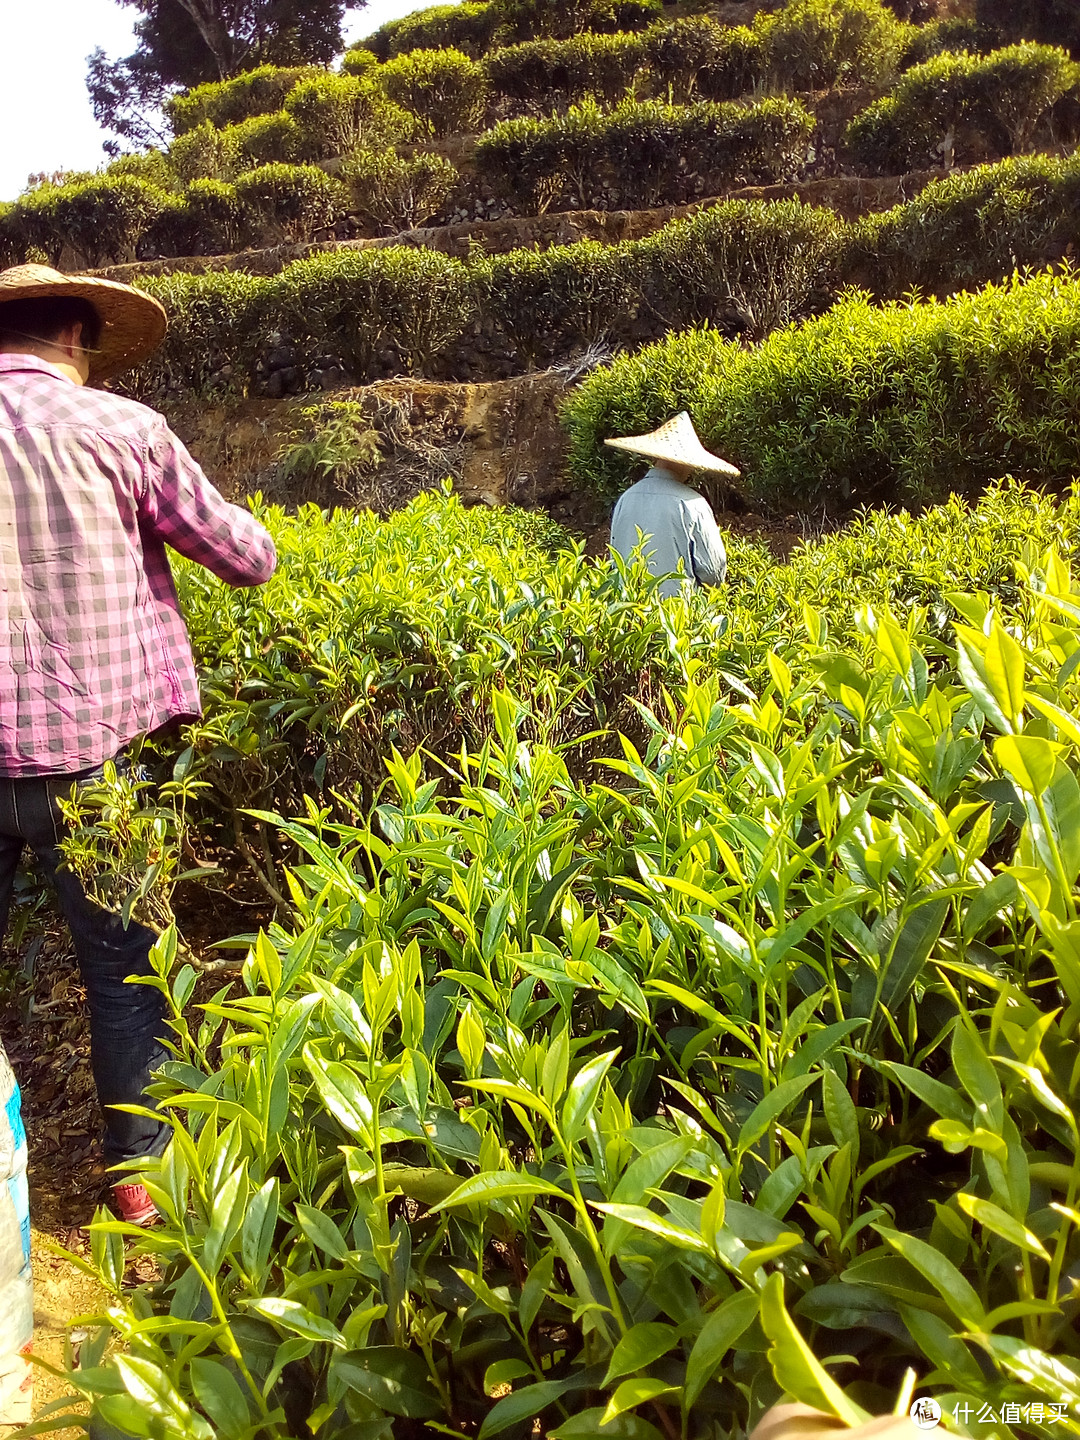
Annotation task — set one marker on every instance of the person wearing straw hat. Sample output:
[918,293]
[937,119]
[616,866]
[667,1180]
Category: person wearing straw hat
[672,523]
[93,647]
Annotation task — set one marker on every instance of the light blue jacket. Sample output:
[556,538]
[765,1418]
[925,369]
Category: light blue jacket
[678,525]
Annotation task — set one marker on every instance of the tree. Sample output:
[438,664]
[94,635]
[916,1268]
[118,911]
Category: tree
[185,42]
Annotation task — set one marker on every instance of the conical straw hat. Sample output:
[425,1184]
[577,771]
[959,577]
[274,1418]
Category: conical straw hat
[132,323]
[675,440]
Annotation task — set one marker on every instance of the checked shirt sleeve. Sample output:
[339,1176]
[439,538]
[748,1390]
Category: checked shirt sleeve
[181,507]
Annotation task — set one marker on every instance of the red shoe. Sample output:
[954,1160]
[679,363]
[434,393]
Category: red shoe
[134,1205]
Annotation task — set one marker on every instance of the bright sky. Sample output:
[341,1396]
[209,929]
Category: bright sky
[45,119]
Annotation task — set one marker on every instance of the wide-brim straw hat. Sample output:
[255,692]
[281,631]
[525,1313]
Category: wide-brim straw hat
[676,440]
[133,324]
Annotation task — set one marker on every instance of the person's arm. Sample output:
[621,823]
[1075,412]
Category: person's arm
[181,507]
[708,558]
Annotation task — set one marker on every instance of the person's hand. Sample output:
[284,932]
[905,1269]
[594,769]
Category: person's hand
[802,1422]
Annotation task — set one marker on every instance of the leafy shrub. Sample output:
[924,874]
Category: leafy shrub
[353,304]
[369,310]
[817,44]
[900,403]
[557,302]
[1016,86]
[205,153]
[273,139]
[99,220]
[970,228]
[396,193]
[952,32]
[151,165]
[336,113]
[292,200]
[1002,96]
[722,144]
[646,152]
[212,341]
[697,55]
[557,73]
[444,89]
[771,1083]
[12,236]
[470,27]
[531,19]
[760,261]
[358,61]
[209,218]
[680,58]
[229,102]
[477,28]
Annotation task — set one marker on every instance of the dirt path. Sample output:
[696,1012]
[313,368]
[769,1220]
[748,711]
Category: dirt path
[61,1293]
[49,1049]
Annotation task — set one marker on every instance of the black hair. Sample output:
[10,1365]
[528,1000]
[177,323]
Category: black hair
[47,316]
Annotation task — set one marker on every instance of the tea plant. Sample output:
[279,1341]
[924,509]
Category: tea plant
[898,404]
[627,1105]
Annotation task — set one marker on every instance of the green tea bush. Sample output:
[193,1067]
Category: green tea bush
[761,263]
[394,193]
[900,403]
[969,228]
[209,218]
[205,153]
[531,19]
[354,304]
[358,61]
[1016,86]
[1001,97]
[696,55]
[12,237]
[291,201]
[950,33]
[336,113]
[212,341]
[470,26]
[477,28]
[558,73]
[445,89]
[818,44]
[229,102]
[741,1067]
[273,139]
[555,302]
[646,153]
[99,220]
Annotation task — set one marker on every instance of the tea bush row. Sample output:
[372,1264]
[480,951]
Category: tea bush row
[482,25]
[901,403]
[740,1065]
[229,102]
[811,45]
[114,218]
[1001,96]
[969,228]
[646,152]
[756,262]
[748,265]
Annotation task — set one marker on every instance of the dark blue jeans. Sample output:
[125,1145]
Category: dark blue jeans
[126,1021]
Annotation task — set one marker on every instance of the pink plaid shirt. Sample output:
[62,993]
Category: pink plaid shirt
[93,648]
